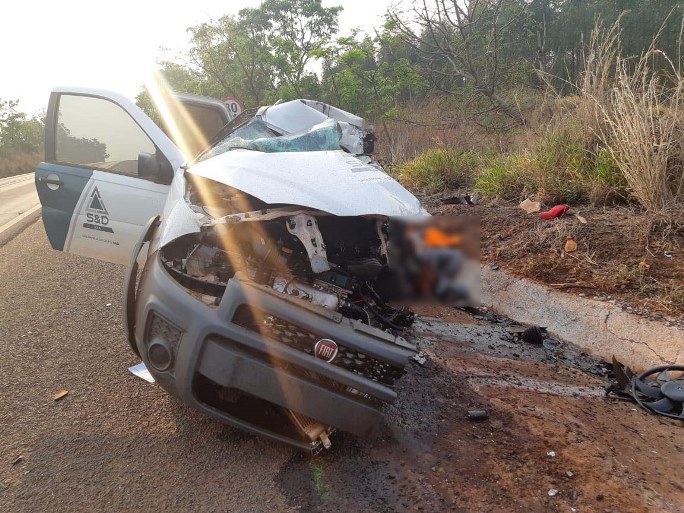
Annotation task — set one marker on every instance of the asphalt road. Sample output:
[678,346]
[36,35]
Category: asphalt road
[116,443]
[17,195]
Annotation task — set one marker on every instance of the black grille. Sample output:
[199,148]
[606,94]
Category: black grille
[304,340]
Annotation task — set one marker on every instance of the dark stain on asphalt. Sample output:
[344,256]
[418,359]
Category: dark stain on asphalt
[391,473]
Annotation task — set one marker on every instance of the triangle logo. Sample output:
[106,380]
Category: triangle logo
[96,203]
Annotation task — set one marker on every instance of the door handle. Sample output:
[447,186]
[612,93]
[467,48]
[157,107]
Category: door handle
[51,181]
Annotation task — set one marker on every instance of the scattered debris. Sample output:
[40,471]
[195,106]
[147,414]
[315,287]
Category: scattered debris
[554,212]
[552,345]
[553,492]
[463,199]
[580,218]
[570,244]
[494,266]
[419,358]
[659,390]
[141,371]
[59,394]
[516,330]
[18,459]
[108,305]
[534,335]
[530,206]
[570,473]
[667,254]
[551,454]
[477,415]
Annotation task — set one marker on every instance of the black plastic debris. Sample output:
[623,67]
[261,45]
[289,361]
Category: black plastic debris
[534,335]
[463,199]
[477,414]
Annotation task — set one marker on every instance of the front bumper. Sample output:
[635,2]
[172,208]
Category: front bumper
[229,361]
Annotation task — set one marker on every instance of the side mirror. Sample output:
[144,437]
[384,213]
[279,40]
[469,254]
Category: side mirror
[148,168]
[165,175]
[154,168]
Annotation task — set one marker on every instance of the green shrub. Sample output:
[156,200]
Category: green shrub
[607,171]
[439,168]
[507,176]
[565,165]
[562,161]
[573,168]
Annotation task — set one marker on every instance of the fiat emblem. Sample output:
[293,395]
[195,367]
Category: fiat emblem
[326,349]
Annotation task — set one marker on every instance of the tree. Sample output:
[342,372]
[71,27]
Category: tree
[364,79]
[461,41]
[259,56]
[234,55]
[300,30]
[79,150]
[18,133]
[569,24]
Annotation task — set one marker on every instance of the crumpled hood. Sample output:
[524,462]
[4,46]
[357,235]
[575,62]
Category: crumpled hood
[332,181]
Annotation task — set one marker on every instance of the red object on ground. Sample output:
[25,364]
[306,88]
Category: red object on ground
[556,211]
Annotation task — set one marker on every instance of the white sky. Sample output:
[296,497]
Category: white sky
[111,44]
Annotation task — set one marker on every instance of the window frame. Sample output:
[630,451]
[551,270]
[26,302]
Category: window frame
[51,134]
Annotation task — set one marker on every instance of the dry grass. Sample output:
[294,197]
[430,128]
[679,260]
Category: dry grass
[444,123]
[637,115]
[641,134]
[19,163]
[620,139]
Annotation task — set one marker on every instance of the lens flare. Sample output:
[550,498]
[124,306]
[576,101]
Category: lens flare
[176,121]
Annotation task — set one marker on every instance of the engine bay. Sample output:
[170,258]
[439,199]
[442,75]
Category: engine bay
[338,263]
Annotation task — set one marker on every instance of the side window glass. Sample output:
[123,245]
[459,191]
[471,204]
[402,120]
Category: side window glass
[98,133]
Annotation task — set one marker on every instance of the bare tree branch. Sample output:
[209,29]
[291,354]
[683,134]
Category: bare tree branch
[460,40]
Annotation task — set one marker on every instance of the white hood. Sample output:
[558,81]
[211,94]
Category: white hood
[331,181]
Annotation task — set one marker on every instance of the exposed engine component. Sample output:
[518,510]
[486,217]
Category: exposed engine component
[315,293]
[315,431]
[659,390]
[306,229]
[336,263]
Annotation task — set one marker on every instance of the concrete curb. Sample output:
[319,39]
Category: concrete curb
[17,225]
[9,180]
[599,328]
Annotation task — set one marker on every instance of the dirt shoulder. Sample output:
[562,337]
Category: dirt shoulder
[624,256]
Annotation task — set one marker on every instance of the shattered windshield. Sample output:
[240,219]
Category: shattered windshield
[257,136]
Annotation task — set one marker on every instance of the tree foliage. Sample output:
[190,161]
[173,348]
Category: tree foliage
[477,51]
[18,132]
[259,56]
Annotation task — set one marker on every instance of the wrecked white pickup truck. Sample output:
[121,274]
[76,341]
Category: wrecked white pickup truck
[263,300]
